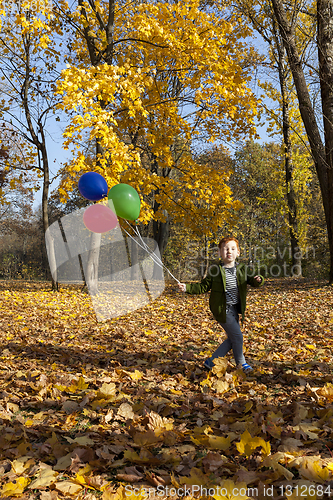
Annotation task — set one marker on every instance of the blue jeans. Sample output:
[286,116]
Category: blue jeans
[234,338]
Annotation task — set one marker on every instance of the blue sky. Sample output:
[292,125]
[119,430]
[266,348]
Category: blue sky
[57,155]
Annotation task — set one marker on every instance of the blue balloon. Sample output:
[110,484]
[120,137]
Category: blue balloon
[93,186]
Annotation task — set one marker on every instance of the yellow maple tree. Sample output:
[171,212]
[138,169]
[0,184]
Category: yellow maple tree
[28,71]
[146,82]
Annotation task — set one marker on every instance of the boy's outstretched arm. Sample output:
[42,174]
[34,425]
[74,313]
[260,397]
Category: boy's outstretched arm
[192,288]
[255,280]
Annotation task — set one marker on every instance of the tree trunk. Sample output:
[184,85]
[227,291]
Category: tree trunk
[134,261]
[92,264]
[206,259]
[325,56]
[45,195]
[161,235]
[289,167]
[42,152]
[95,56]
[321,155]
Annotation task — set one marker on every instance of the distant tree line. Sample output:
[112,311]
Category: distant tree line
[261,225]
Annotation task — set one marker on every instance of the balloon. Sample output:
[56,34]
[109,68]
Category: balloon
[93,186]
[125,200]
[99,219]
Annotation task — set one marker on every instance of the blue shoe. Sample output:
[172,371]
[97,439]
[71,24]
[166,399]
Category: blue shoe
[247,368]
[208,364]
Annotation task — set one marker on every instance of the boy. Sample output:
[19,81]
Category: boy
[228,285]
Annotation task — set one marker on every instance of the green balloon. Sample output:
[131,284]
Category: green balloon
[124,201]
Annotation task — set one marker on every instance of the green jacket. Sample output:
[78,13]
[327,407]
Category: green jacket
[215,281]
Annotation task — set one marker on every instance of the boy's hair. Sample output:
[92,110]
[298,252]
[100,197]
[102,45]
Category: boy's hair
[226,240]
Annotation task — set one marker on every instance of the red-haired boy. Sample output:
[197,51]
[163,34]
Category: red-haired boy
[228,282]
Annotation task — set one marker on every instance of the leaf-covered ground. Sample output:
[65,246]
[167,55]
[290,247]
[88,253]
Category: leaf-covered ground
[108,410]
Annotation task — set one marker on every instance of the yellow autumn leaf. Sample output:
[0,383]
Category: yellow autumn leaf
[106,391]
[220,367]
[15,489]
[221,386]
[326,391]
[132,456]
[77,385]
[45,478]
[68,488]
[206,382]
[22,464]
[212,442]
[80,479]
[247,444]
[136,375]
[219,442]
[315,472]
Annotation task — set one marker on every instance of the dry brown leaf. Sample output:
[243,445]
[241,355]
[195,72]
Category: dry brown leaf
[212,461]
[49,495]
[125,411]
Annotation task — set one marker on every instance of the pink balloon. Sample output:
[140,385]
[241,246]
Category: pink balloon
[99,219]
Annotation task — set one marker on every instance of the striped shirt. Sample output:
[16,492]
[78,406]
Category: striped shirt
[232,294]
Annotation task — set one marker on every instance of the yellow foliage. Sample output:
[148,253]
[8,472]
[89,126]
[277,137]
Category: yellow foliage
[15,489]
[136,375]
[247,444]
[135,106]
[212,442]
[45,478]
[220,367]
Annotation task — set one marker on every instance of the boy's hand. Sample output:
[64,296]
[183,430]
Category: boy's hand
[182,287]
[258,278]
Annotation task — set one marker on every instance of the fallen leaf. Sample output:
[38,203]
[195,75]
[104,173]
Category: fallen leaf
[248,444]
[15,489]
[125,411]
[68,488]
[45,478]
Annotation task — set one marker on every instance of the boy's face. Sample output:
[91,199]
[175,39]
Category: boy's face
[229,252]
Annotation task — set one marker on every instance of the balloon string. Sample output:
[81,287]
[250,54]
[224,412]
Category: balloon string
[136,229]
[152,255]
[159,262]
